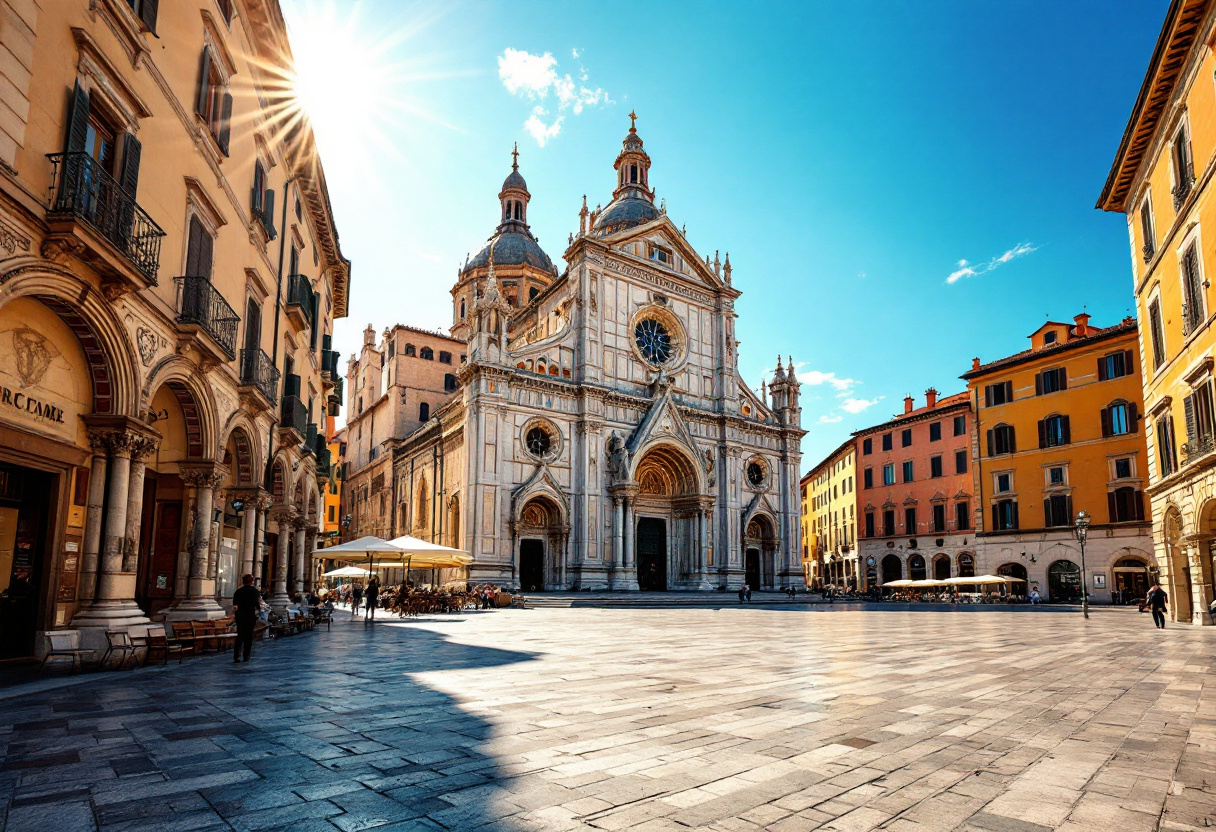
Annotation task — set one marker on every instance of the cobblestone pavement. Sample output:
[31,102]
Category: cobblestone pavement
[585,718]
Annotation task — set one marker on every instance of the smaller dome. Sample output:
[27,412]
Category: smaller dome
[515,181]
[626,212]
[513,248]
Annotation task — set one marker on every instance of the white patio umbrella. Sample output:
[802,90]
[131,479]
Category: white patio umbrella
[900,583]
[347,572]
[368,549]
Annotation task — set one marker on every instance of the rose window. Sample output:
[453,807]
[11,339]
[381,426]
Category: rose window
[755,474]
[538,441]
[653,340]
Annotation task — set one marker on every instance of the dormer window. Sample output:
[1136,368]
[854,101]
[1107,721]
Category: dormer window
[1049,337]
[659,255]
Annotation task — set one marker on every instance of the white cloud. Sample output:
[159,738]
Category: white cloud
[964,269]
[535,78]
[830,418]
[855,406]
[817,377]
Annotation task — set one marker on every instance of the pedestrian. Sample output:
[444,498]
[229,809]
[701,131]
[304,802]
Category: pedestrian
[246,603]
[748,590]
[373,593]
[1034,595]
[1158,602]
[743,594]
[356,598]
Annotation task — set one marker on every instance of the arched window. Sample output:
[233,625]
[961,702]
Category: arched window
[1054,431]
[1001,440]
[424,412]
[427,354]
[1119,418]
[633,174]
[449,382]
[532,293]
[409,350]
[462,309]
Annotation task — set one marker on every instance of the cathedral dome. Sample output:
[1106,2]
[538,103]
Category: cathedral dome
[512,248]
[514,181]
[633,200]
[626,212]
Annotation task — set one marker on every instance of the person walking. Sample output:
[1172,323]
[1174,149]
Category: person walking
[1158,602]
[356,598]
[246,603]
[372,595]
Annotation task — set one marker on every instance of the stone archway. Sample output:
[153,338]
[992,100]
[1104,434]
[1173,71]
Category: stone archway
[760,553]
[892,568]
[540,532]
[666,521]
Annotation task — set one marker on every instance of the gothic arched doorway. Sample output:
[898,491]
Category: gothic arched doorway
[916,568]
[668,546]
[540,534]
[759,554]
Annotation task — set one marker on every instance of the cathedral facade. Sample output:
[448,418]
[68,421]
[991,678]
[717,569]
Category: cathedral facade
[600,436]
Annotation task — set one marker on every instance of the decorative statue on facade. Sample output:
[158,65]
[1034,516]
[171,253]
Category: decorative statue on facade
[618,458]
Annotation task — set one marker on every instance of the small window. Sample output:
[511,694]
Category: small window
[1115,420]
[908,471]
[424,412]
[1055,475]
[935,432]
[935,466]
[906,438]
[910,521]
[997,394]
[1167,454]
[1147,232]
[1057,511]
[1123,468]
[888,474]
[427,354]
[1126,505]
[1003,483]
[960,425]
[962,517]
[392,347]
[868,478]
[532,294]
[1051,381]
[869,524]
[887,442]
[1158,333]
[659,256]
[1049,337]
[1005,515]
[888,522]
[1054,431]
[449,383]
[1115,365]
[1001,440]
[410,349]
[939,517]
[867,447]
[445,358]
[960,462]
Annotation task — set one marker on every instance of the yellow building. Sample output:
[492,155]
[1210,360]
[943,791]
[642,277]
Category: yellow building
[1058,429]
[331,523]
[1160,180]
[831,519]
[171,269]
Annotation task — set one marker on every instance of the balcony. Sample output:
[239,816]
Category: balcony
[202,306]
[259,374]
[299,300]
[1182,190]
[1194,451]
[293,417]
[95,218]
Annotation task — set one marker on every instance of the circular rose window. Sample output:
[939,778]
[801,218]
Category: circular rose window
[538,441]
[653,340]
[755,474]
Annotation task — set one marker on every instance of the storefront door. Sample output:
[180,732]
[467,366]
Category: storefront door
[25,502]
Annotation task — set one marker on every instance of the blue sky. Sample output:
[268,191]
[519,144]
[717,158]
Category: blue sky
[850,156]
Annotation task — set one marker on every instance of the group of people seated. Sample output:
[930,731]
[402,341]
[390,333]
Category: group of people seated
[409,599]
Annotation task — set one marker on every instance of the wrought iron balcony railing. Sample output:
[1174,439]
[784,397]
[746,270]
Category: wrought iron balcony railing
[1192,319]
[82,190]
[258,371]
[204,306]
[1201,447]
[1149,251]
[294,415]
[1182,190]
[300,294]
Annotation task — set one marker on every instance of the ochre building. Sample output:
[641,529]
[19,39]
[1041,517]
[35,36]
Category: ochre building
[1161,180]
[169,275]
[831,520]
[1059,428]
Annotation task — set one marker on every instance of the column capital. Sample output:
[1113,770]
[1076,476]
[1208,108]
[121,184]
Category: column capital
[284,515]
[312,528]
[121,436]
[202,474]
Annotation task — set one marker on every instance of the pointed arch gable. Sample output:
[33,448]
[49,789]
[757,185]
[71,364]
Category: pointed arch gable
[761,506]
[541,483]
[112,362]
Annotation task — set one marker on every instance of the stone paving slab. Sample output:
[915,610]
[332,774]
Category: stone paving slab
[840,719]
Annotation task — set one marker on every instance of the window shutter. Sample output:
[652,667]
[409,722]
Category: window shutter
[996,518]
[1111,507]
[268,213]
[1008,391]
[1133,417]
[204,261]
[1047,518]
[1015,516]
[1129,365]
[1102,376]
[78,120]
[147,14]
[204,83]
[1067,429]
[1042,433]
[1188,408]
[1038,384]
[1062,377]
[987,390]
[194,248]
[991,444]
[1138,504]
[225,123]
[1013,442]
[1105,422]
[128,177]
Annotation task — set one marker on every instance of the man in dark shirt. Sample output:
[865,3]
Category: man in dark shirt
[245,603]
[1157,601]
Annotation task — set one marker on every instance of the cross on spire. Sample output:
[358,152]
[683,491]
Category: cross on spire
[633,122]
[515,157]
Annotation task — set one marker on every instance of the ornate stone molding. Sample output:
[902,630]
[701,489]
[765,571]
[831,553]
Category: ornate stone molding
[202,474]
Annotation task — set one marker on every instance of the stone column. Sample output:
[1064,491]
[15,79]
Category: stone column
[90,559]
[259,552]
[628,578]
[1201,584]
[141,449]
[703,548]
[297,584]
[618,524]
[249,528]
[284,516]
[200,593]
[113,604]
[310,545]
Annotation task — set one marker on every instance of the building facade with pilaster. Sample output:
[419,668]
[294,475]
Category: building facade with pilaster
[169,275]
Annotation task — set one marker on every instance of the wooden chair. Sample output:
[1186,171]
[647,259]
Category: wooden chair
[118,643]
[160,648]
[183,634]
[65,644]
[204,635]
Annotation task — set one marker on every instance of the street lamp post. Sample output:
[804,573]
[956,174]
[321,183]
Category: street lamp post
[1082,528]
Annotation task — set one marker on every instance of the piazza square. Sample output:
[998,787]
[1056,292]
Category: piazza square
[765,717]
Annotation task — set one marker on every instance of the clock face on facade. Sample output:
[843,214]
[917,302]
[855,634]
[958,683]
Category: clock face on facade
[653,340]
